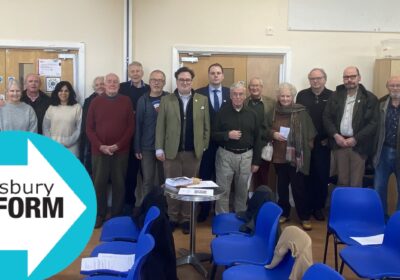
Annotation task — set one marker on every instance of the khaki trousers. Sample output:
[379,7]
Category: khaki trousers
[350,167]
[185,164]
[229,166]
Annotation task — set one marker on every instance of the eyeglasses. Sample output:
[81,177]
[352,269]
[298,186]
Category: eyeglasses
[316,78]
[157,80]
[394,85]
[185,80]
[350,77]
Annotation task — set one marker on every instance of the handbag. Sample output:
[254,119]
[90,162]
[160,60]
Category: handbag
[267,151]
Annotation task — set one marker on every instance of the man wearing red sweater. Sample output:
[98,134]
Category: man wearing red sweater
[109,127]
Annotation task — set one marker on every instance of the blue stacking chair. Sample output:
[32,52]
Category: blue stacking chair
[259,272]
[355,212]
[376,261]
[144,246]
[257,249]
[124,229]
[320,271]
[226,223]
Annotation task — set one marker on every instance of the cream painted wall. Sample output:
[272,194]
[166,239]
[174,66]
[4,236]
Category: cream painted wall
[97,23]
[158,25]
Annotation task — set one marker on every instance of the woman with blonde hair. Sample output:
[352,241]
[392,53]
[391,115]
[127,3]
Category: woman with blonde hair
[14,114]
[293,133]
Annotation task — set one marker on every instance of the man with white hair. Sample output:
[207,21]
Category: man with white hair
[314,99]
[387,157]
[236,130]
[109,127]
[32,95]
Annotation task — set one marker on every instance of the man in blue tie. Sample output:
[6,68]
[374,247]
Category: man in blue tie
[218,96]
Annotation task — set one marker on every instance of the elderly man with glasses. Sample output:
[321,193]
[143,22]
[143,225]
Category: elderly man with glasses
[350,119]
[146,120]
[314,99]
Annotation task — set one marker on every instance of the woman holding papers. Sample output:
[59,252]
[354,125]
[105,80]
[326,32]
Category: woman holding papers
[293,133]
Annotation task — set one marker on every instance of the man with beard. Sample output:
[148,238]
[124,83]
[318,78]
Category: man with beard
[350,119]
[387,158]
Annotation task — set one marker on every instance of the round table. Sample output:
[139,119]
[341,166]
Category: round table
[191,257]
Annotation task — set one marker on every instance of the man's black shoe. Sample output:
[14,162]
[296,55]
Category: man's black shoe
[185,227]
[173,225]
[318,215]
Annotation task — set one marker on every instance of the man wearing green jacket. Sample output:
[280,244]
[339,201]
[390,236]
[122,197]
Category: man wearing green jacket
[182,135]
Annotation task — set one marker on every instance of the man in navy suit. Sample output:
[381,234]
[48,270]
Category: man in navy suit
[218,96]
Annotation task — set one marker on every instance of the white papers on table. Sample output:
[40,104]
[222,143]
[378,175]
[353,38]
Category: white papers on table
[193,191]
[178,181]
[204,184]
[114,262]
[284,131]
[369,240]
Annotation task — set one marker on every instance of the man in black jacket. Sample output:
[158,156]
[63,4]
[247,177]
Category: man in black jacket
[350,119]
[134,89]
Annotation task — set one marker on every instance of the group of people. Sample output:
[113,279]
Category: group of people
[58,116]
[216,133]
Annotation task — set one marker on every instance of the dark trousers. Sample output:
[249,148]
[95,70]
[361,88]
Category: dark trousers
[131,178]
[113,167]
[261,176]
[317,181]
[207,172]
[287,175]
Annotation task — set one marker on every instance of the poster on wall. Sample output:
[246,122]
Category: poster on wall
[51,83]
[50,67]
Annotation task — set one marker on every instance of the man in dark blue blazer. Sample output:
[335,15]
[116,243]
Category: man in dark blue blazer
[218,96]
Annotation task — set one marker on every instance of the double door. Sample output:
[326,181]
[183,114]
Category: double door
[16,63]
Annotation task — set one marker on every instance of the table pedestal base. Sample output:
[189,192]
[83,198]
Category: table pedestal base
[195,260]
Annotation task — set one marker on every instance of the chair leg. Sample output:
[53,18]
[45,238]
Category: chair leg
[341,267]
[326,245]
[213,271]
[335,248]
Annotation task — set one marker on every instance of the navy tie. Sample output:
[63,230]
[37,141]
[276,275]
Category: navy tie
[216,100]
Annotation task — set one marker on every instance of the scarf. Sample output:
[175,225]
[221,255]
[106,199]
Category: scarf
[294,146]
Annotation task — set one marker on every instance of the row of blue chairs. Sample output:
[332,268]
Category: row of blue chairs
[246,255]
[120,235]
[358,212]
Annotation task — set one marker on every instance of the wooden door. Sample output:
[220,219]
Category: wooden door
[235,68]
[240,68]
[20,62]
[2,71]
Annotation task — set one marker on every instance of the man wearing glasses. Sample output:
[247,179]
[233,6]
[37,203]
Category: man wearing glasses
[182,135]
[387,159]
[314,99]
[350,119]
[145,134]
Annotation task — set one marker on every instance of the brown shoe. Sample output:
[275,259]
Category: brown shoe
[99,222]
[306,224]
[283,219]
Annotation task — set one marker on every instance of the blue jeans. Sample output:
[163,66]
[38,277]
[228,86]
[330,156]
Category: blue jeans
[386,166]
